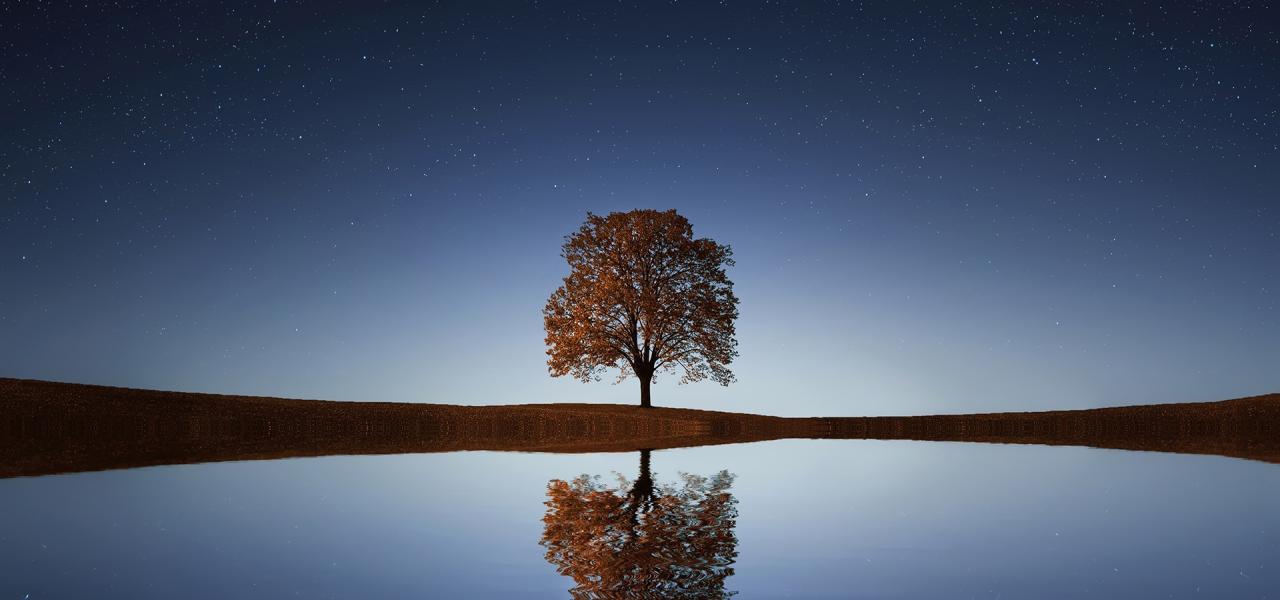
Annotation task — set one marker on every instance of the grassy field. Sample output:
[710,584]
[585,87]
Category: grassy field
[52,428]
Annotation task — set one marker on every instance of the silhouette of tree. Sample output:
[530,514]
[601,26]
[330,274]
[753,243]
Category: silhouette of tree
[672,541]
[642,296]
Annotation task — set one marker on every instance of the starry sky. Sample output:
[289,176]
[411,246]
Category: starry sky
[934,207]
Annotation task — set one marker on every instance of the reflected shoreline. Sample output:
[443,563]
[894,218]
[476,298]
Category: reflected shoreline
[49,428]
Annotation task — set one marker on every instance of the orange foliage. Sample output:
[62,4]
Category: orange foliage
[643,296]
[650,542]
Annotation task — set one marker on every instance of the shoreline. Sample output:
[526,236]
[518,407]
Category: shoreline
[51,428]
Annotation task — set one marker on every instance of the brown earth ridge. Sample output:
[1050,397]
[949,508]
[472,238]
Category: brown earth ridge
[48,428]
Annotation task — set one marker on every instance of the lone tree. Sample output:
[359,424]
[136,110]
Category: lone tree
[654,541]
[642,296]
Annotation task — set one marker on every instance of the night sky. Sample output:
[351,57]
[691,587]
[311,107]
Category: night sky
[934,208]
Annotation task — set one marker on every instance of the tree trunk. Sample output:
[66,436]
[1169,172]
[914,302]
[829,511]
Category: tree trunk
[644,390]
[644,468]
[641,495]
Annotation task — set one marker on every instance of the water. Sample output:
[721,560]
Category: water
[792,518]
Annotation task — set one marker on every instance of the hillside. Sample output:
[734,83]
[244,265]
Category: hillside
[58,428]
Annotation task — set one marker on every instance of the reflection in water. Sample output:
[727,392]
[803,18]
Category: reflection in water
[650,541]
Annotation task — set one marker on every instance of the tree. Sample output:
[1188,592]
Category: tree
[642,296]
[653,541]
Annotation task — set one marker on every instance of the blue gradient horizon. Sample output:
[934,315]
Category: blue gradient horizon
[373,210]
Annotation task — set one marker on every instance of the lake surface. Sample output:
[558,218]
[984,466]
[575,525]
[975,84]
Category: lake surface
[787,518]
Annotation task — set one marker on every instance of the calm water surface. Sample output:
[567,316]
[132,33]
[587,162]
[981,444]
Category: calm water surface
[797,518]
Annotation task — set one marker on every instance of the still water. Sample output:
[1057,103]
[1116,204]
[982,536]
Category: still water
[790,518]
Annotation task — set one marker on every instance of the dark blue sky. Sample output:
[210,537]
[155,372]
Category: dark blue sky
[934,208]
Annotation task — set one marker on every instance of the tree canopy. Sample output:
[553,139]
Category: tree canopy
[642,296]
[652,541]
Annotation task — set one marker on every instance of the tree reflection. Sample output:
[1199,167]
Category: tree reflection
[651,541]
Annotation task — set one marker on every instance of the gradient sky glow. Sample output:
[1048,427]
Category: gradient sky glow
[933,208]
